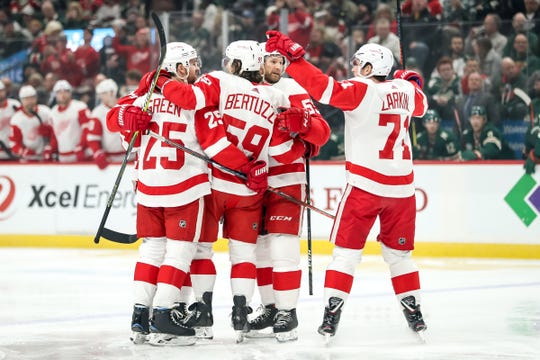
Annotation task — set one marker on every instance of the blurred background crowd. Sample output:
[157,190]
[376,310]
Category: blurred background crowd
[473,54]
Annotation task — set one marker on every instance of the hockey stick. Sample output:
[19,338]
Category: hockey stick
[102,231]
[7,150]
[308,219]
[236,173]
[458,124]
[527,100]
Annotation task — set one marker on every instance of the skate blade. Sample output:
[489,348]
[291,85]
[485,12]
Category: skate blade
[287,336]
[204,332]
[158,339]
[138,338]
[420,336]
[327,339]
[260,334]
[239,336]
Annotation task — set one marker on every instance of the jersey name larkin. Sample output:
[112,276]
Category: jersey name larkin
[251,103]
[395,100]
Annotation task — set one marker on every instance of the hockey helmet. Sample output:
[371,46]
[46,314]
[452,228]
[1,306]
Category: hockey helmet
[431,115]
[273,53]
[27,91]
[380,58]
[62,85]
[178,53]
[478,110]
[248,52]
[107,85]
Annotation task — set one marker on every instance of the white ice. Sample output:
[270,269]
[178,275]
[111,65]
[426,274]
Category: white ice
[76,304]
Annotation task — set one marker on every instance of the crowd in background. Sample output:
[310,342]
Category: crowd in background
[470,52]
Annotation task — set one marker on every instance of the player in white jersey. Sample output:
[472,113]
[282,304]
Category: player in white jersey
[102,145]
[379,170]
[278,246]
[68,117]
[32,138]
[249,111]
[171,190]
[7,109]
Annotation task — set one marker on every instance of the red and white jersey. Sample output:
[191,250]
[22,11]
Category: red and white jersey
[248,113]
[167,176]
[24,131]
[111,142]
[67,124]
[286,163]
[7,109]
[377,118]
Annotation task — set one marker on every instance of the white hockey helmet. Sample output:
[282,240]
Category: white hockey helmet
[27,91]
[178,53]
[62,85]
[273,53]
[248,52]
[380,58]
[105,86]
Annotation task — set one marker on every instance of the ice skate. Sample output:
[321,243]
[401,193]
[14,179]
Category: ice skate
[200,317]
[332,313]
[414,317]
[262,325]
[140,326]
[167,328]
[239,318]
[285,325]
[182,309]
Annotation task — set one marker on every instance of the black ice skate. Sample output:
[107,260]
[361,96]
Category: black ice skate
[167,328]
[285,325]
[239,318]
[413,315]
[182,310]
[262,325]
[140,326]
[200,317]
[332,313]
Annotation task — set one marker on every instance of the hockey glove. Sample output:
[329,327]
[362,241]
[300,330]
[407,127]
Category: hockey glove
[48,154]
[284,45]
[294,120]
[312,150]
[529,166]
[101,159]
[132,118]
[411,76]
[146,81]
[257,176]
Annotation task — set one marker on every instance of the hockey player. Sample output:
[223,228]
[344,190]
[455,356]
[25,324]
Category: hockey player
[483,141]
[7,109]
[249,111]
[171,192]
[531,152]
[278,246]
[379,170]
[68,117]
[32,138]
[434,143]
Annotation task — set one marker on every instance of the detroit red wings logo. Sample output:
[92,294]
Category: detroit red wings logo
[7,194]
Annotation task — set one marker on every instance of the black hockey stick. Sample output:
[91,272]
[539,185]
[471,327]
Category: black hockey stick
[8,151]
[236,173]
[102,231]
[308,219]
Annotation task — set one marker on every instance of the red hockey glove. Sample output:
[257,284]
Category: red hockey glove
[312,150]
[146,81]
[132,118]
[284,45]
[101,159]
[257,175]
[48,154]
[27,154]
[409,75]
[80,153]
[294,120]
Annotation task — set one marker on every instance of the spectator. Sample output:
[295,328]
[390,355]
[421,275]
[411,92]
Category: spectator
[488,58]
[12,40]
[504,83]
[300,21]
[49,13]
[443,90]
[457,54]
[68,117]
[532,13]
[455,12]
[433,6]
[491,30]
[483,141]
[531,151]
[386,38]
[320,51]
[132,79]
[7,109]
[43,45]
[62,62]
[49,98]
[243,28]
[106,13]
[87,58]
[525,60]
[520,25]
[473,65]
[32,138]
[433,143]
[137,56]
[74,18]
[111,64]
[477,96]
[383,10]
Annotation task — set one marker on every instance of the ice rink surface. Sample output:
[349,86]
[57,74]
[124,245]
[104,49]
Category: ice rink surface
[76,304]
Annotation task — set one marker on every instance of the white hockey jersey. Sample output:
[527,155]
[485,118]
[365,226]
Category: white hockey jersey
[7,109]
[67,124]
[24,131]
[111,142]
[377,118]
